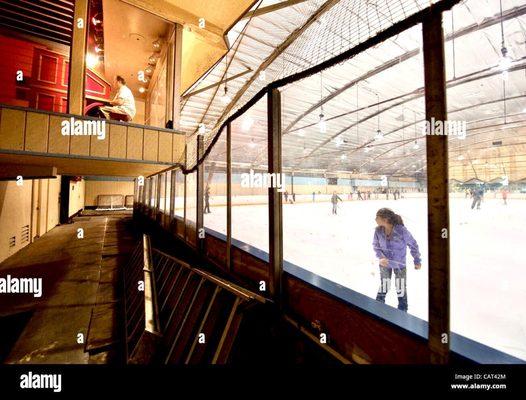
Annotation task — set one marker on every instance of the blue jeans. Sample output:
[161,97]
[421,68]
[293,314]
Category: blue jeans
[400,285]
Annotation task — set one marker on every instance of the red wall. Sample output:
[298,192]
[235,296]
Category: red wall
[45,85]
[16,55]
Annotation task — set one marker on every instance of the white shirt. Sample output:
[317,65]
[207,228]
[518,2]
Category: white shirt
[126,96]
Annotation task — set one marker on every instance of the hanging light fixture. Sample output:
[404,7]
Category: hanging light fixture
[252,144]
[415,146]
[379,135]
[505,59]
[322,124]
[225,99]
[367,149]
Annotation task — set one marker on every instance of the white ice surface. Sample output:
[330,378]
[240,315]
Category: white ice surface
[488,297]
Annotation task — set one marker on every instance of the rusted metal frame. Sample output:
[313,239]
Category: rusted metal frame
[438,194]
[199,220]
[275,198]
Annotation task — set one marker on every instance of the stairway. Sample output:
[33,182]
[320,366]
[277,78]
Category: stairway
[194,316]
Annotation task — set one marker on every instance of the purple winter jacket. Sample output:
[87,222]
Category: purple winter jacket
[395,249]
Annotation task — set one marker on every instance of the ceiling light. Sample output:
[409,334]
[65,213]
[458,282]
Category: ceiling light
[416,146]
[247,124]
[379,135]
[142,90]
[367,149]
[460,157]
[148,70]
[252,144]
[91,60]
[322,124]
[343,156]
[152,60]
[156,45]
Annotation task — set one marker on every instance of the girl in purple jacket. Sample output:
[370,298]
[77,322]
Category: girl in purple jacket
[391,239]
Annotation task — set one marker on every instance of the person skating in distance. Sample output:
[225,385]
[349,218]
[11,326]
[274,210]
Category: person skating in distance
[334,201]
[207,201]
[390,242]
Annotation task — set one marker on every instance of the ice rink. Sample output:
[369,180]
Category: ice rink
[487,294]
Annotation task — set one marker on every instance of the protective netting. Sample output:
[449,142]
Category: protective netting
[280,44]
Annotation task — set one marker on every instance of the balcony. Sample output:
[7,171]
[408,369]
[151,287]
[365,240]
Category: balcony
[34,137]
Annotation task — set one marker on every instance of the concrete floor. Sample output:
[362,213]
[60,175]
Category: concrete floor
[80,291]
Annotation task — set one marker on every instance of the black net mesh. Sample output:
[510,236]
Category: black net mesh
[281,44]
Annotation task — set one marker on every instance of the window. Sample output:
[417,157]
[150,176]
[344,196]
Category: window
[352,146]
[486,172]
[249,195]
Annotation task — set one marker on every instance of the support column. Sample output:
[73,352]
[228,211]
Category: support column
[229,197]
[178,56]
[275,199]
[77,59]
[200,192]
[438,196]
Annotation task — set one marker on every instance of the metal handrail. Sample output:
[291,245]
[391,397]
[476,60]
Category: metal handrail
[151,310]
[231,287]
